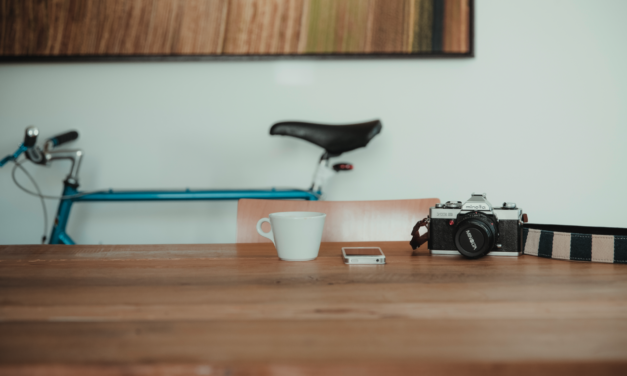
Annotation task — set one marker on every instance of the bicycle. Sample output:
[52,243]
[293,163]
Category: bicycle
[334,139]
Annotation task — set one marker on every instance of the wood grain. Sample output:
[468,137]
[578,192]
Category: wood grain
[88,28]
[365,368]
[423,24]
[389,26]
[346,220]
[203,26]
[236,309]
[331,341]
[263,27]
[336,26]
[456,26]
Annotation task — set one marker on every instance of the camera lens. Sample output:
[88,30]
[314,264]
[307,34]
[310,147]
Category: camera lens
[475,237]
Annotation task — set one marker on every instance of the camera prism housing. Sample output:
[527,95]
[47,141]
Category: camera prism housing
[475,228]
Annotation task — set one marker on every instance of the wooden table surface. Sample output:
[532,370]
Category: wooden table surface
[235,309]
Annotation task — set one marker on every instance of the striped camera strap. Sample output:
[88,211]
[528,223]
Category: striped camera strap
[598,244]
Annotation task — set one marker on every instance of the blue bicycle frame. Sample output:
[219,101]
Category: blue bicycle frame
[60,236]
[71,194]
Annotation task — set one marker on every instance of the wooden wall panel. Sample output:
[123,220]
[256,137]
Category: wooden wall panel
[423,25]
[456,26]
[202,27]
[389,26]
[234,27]
[263,27]
[336,26]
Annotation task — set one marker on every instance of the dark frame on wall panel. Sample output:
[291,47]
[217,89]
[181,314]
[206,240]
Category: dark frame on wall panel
[198,30]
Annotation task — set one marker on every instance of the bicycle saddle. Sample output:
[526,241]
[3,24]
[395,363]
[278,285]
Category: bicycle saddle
[335,139]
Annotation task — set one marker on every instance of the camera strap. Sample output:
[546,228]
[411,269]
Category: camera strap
[416,239]
[576,243]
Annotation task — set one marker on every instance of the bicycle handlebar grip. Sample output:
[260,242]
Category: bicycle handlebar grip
[63,138]
[30,136]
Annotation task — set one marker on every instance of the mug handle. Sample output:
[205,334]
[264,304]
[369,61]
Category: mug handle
[269,234]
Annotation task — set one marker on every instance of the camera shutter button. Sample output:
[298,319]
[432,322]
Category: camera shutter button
[509,205]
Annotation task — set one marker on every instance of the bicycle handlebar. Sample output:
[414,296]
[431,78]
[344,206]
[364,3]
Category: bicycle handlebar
[30,139]
[30,136]
[63,138]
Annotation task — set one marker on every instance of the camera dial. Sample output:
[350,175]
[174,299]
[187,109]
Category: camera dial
[476,234]
[453,204]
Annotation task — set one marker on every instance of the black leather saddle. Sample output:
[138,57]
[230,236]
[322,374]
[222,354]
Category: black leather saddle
[335,139]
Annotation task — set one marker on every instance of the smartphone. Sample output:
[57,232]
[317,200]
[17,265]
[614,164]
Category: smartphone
[363,255]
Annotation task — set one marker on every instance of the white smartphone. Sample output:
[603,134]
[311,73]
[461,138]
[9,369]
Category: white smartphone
[363,255]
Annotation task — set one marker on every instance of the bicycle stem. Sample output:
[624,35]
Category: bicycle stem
[45,156]
[76,156]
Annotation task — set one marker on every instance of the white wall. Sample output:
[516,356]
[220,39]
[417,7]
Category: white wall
[537,117]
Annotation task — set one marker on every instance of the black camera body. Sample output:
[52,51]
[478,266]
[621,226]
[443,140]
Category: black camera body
[475,228]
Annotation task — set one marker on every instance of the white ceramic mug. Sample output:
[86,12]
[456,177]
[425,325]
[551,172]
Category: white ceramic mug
[296,235]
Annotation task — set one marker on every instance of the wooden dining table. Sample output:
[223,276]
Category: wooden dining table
[236,309]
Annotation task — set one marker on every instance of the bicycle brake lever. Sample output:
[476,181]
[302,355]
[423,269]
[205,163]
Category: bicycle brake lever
[30,139]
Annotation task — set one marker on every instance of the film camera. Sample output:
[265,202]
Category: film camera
[475,228]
